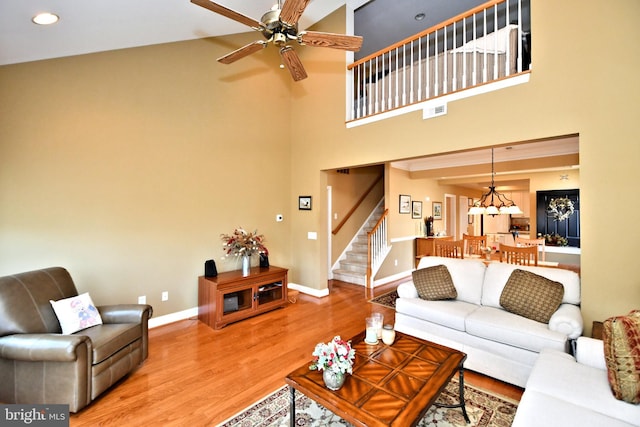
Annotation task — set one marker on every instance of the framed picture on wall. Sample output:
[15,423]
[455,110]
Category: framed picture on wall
[405,204]
[416,209]
[304,203]
[437,210]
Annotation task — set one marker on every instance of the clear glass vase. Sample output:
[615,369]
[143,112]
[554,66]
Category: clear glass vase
[332,379]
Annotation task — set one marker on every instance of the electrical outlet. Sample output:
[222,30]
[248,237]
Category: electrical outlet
[142,299]
[395,262]
[165,296]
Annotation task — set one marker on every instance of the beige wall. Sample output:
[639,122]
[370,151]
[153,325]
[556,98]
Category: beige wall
[126,166]
[568,93]
[346,190]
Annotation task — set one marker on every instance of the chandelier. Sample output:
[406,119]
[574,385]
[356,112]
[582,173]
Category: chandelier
[492,202]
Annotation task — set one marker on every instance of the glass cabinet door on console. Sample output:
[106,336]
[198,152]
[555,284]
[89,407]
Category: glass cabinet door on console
[231,297]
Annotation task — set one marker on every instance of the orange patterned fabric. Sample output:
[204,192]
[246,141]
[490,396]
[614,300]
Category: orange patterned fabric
[621,336]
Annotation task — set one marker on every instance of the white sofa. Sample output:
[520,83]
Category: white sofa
[565,392]
[498,343]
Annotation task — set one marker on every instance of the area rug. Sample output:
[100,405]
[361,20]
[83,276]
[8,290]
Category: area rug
[388,299]
[484,409]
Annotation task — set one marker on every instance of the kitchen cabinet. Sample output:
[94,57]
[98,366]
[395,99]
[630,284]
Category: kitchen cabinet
[522,200]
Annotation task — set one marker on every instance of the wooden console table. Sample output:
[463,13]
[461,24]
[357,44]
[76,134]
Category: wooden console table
[230,296]
[426,246]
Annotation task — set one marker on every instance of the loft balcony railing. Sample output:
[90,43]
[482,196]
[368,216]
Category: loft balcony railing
[481,46]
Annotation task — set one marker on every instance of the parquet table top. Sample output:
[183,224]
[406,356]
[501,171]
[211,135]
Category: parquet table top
[391,385]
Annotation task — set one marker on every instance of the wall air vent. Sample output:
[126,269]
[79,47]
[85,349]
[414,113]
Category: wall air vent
[345,171]
[434,111]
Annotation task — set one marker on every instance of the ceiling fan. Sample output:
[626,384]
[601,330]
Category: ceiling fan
[280,27]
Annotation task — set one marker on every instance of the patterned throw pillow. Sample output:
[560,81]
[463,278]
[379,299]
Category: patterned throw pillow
[621,336]
[434,283]
[76,313]
[532,296]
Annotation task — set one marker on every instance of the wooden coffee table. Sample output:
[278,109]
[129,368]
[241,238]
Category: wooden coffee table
[390,386]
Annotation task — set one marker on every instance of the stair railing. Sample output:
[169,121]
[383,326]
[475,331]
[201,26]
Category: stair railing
[357,204]
[376,247]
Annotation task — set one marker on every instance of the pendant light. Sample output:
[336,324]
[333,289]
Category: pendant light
[492,202]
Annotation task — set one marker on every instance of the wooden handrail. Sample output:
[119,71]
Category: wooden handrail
[429,30]
[357,204]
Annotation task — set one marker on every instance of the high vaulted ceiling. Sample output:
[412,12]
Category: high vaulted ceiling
[88,26]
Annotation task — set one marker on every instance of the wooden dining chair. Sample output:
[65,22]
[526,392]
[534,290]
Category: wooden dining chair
[473,244]
[522,241]
[449,248]
[521,255]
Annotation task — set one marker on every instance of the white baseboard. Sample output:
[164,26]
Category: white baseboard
[392,278]
[309,291]
[154,322]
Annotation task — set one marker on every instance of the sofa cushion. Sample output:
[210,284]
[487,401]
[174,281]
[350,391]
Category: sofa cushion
[532,296]
[448,313]
[621,336]
[76,313]
[467,275]
[108,339]
[496,324]
[498,274]
[434,283]
[558,375]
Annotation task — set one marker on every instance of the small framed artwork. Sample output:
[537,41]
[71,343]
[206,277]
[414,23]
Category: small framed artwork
[437,210]
[405,204]
[304,203]
[416,209]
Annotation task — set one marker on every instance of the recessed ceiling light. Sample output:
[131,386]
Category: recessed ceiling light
[419,17]
[45,18]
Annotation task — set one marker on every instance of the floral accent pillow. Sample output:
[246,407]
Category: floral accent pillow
[434,283]
[76,313]
[621,337]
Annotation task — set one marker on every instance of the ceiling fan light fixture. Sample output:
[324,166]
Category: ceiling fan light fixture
[45,18]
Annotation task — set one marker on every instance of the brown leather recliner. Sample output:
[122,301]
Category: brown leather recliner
[39,365]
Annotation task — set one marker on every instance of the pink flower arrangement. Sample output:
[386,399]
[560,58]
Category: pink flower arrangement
[336,355]
[242,243]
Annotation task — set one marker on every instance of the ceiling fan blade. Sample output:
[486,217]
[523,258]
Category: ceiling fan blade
[334,41]
[242,52]
[292,10]
[232,14]
[292,62]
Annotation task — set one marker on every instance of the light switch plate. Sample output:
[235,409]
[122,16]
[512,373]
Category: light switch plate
[312,235]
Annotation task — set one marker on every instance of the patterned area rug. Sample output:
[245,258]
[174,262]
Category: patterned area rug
[484,410]
[388,299]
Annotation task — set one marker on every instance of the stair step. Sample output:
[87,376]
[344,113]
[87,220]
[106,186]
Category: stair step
[349,277]
[353,266]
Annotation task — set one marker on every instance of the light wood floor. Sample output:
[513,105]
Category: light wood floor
[197,376]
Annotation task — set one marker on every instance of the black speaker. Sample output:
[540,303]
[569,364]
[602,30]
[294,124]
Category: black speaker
[210,269]
[264,261]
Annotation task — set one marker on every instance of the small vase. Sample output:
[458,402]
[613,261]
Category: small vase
[388,334]
[246,265]
[333,380]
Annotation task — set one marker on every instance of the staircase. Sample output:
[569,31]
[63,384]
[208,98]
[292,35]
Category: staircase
[353,264]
